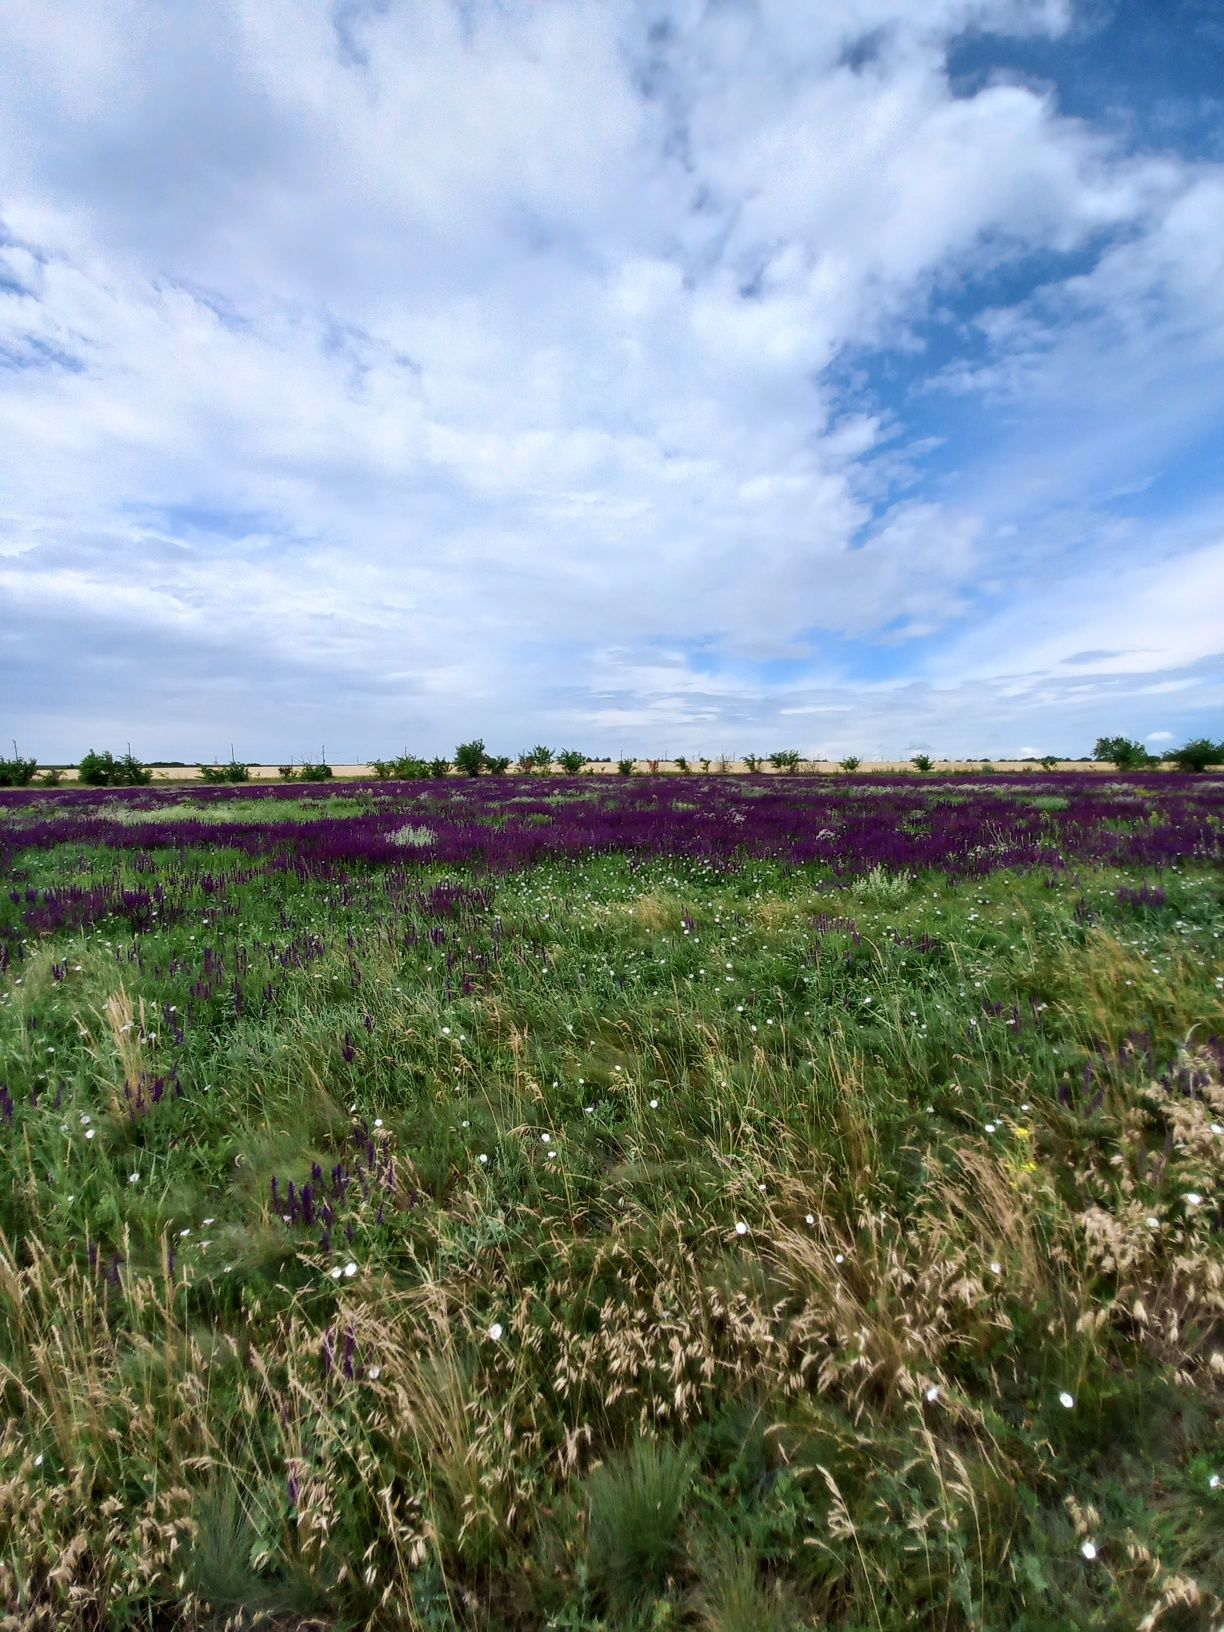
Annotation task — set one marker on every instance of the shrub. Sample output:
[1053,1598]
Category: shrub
[635,1502]
[724,763]
[786,759]
[921,762]
[1197,755]
[705,765]
[52,777]
[571,761]
[497,764]
[470,757]
[1048,761]
[17,772]
[542,757]
[105,771]
[1122,752]
[289,772]
[682,765]
[625,766]
[753,761]
[438,767]
[850,763]
[652,765]
[986,768]
[234,771]
[318,772]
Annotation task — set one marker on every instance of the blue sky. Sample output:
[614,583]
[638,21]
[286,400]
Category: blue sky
[675,376]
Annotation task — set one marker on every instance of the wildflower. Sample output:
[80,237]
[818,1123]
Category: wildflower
[495,1331]
[1214,1482]
[1088,1548]
[1066,1400]
[654,1104]
[809,1218]
[1193,1199]
[89,1132]
[996,1268]
[990,1127]
[350,1270]
[1153,1223]
[546,1138]
[335,1273]
[374,1373]
[839,1258]
[741,1228]
[209,1221]
[484,1160]
[932,1394]
[133,1178]
[378,1121]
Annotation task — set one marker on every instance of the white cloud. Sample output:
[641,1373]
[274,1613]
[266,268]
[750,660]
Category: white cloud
[428,360]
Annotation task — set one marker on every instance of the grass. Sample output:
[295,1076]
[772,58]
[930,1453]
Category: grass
[684,1247]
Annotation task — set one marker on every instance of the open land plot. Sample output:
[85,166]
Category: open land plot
[708,1202]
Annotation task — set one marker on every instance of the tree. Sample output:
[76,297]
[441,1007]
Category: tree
[1048,761]
[625,767]
[17,772]
[498,764]
[921,762]
[571,761]
[470,757]
[1122,752]
[105,771]
[542,757]
[682,765]
[1197,754]
[850,763]
[753,762]
[786,759]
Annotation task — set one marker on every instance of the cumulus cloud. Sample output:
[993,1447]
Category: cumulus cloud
[383,373]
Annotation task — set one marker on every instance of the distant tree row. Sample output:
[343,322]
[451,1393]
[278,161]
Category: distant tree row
[107,770]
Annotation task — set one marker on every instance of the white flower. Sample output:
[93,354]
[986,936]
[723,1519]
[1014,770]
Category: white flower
[996,1268]
[1193,1199]
[741,1228]
[374,1373]
[467,1124]
[378,1121]
[495,1331]
[89,1132]
[38,1460]
[809,1218]
[839,1258]
[990,1127]
[350,1270]
[932,1394]
[182,1233]
[1067,1400]
[1088,1548]
[446,1031]
[85,1120]
[209,1221]
[654,1104]
[1214,1482]
[484,1160]
[546,1138]
[133,1178]
[336,1273]
[1153,1223]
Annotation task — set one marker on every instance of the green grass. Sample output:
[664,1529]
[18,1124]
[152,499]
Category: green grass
[755,1314]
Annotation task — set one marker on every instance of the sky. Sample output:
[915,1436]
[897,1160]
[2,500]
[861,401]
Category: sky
[640,376]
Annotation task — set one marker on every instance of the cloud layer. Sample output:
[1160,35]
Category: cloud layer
[672,377]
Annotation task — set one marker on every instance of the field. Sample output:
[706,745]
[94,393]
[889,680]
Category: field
[736,1203]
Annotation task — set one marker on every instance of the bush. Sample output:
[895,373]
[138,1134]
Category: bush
[635,1502]
[234,771]
[1122,752]
[625,766]
[682,765]
[921,762]
[318,772]
[289,772]
[498,764]
[17,772]
[850,763]
[753,761]
[705,765]
[438,767]
[541,757]
[571,761]
[1048,761]
[786,759]
[52,777]
[1197,755]
[105,771]
[470,757]
[404,768]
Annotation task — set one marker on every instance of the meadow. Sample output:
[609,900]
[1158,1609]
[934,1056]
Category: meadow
[745,1203]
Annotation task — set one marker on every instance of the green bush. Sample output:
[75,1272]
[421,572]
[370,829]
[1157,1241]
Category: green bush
[921,762]
[105,771]
[571,761]
[850,763]
[625,766]
[786,759]
[289,772]
[1122,752]
[234,771]
[497,764]
[17,772]
[318,772]
[438,767]
[1197,755]
[682,765]
[753,761]
[1048,761]
[470,757]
